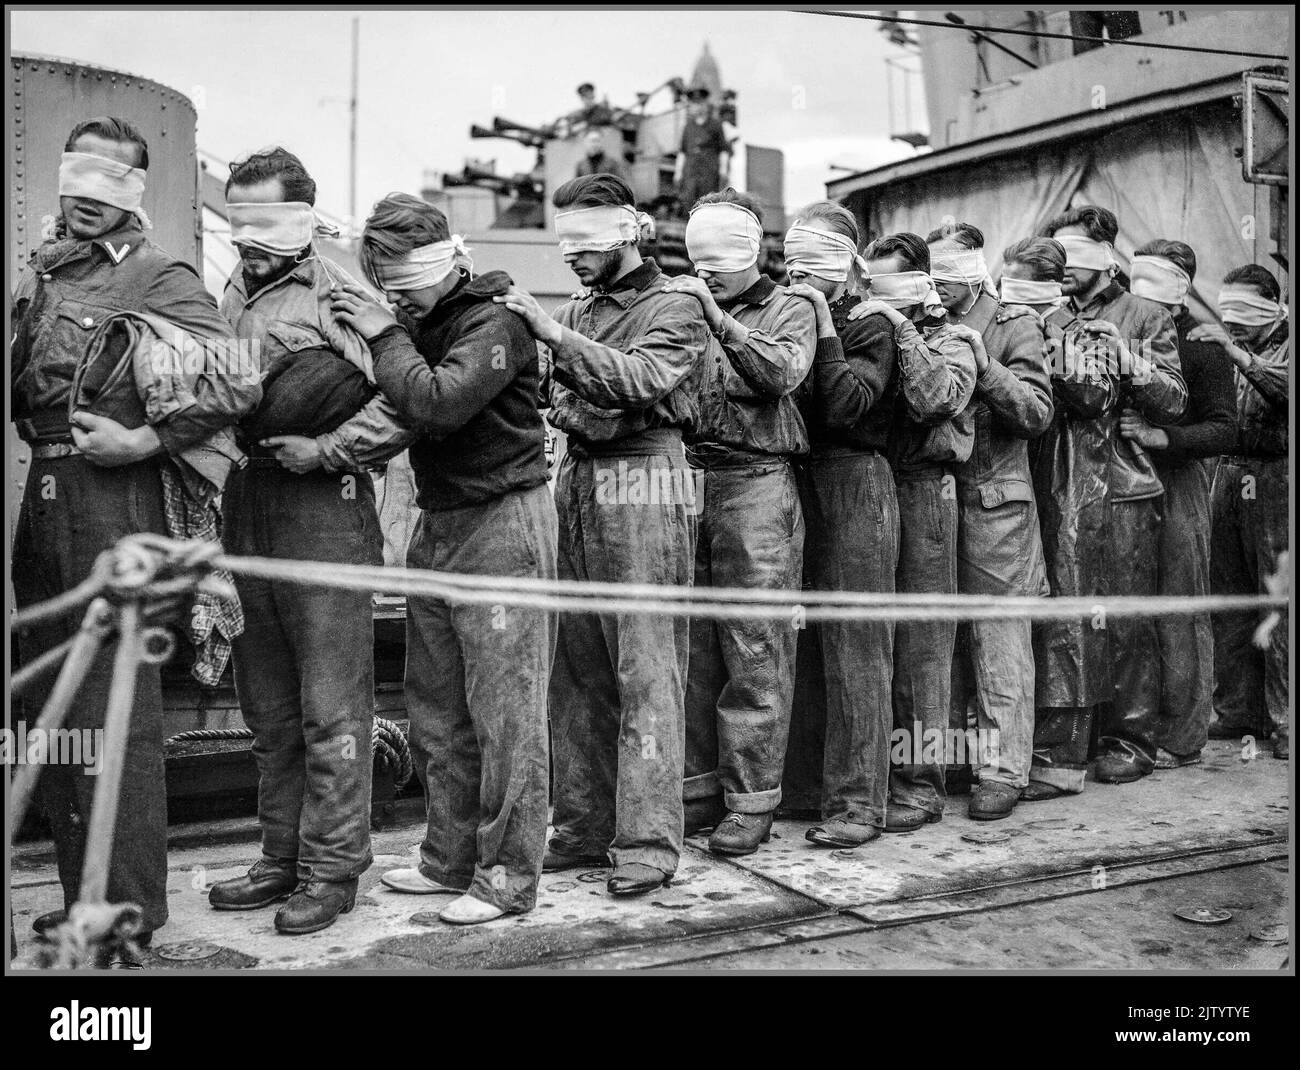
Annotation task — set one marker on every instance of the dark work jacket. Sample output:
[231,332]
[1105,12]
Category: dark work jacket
[848,399]
[1209,426]
[469,382]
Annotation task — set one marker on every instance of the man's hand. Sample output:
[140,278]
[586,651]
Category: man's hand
[975,340]
[353,307]
[1134,427]
[297,453]
[689,284]
[108,444]
[873,306]
[1102,337]
[525,305]
[825,323]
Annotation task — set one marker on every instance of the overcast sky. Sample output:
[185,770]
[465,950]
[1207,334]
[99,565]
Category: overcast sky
[810,85]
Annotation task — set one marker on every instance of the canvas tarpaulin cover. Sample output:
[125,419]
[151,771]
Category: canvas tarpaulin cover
[1174,176]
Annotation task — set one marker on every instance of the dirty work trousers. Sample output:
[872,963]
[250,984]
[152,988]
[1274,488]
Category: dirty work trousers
[1128,719]
[927,562]
[1186,643]
[71,511]
[304,667]
[1250,510]
[851,511]
[741,682]
[476,683]
[619,680]
[999,552]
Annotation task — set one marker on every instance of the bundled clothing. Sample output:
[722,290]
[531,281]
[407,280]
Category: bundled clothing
[71,288]
[623,385]
[851,511]
[304,667]
[999,548]
[741,682]
[1250,511]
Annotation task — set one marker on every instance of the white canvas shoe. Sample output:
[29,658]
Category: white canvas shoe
[470,911]
[413,882]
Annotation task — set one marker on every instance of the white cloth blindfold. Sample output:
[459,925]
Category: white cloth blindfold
[600,228]
[426,266]
[1246,306]
[1083,252]
[1030,292]
[97,178]
[1158,279]
[280,227]
[821,253]
[723,237]
[902,289]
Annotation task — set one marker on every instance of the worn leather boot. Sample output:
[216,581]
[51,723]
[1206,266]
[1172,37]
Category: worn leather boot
[740,834]
[992,800]
[843,833]
[264,884]
[635,878]
[1119,767]
[315,905]
[902,818]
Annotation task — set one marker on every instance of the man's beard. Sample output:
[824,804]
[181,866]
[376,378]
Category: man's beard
[609,271]
[268,268]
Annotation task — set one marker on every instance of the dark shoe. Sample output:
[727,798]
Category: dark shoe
[1119,767]
[1169,760]
[701,814]
[261,886]
[1037,791]
[315,905]
[902,818]
[1282,745]
[636,879]
[47,923]
[992,800]
[740,834]
[555,860]
[839,832]
[958,780]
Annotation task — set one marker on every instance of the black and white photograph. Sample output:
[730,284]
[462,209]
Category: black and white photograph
[662,491]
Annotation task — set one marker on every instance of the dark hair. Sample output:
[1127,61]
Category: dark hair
[906,245]
[275,163]
[1100,223]
[112,129]
[593,191]
[966,235]
[835,216]
[1179,252]
[1259,277]
[731,195]
[1044,255]
[396,225]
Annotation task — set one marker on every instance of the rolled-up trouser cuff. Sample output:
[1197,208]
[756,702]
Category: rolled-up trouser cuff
[1056,776]
[929,801]
[664,861]
[703,786]
[752,802]
[334,872]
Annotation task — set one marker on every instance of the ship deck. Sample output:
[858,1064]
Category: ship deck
[1089,882]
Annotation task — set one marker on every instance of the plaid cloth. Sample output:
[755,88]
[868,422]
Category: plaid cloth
[214,621]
